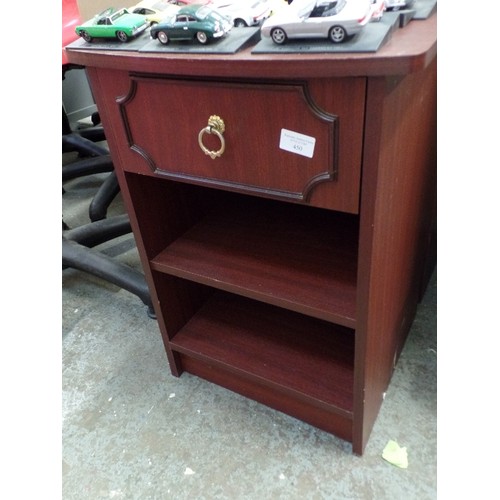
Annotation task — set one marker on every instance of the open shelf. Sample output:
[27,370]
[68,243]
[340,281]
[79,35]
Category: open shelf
[308,359]
[299,258]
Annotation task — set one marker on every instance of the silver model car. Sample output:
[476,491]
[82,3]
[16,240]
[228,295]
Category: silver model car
[336,20]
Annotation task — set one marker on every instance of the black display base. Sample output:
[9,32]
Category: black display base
[235,40]
[424,8]
[133,44]
[405,16]
[421,10]
[373,36]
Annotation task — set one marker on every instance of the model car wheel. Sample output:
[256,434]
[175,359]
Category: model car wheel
[122,36]
[163,37]
[337,34]
[239,23]
[278,36]
[202,37]
[85,36]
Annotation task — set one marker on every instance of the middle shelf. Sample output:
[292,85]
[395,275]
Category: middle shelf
[300,258]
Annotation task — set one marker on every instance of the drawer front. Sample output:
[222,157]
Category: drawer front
[277,141]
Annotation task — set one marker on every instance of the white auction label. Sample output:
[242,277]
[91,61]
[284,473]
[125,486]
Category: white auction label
[297,143]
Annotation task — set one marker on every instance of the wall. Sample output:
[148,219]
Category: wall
[77,97]
[89,8]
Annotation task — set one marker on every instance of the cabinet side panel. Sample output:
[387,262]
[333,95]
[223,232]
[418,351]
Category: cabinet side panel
[107,85]
[396,210]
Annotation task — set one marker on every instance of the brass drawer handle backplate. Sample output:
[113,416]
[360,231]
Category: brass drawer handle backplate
[215,126]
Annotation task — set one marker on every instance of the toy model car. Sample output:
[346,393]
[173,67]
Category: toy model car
[154,10]
[399,4]
[113,24]
[199,22]
[377,9]
[182,3]
[335,20]
[244,13]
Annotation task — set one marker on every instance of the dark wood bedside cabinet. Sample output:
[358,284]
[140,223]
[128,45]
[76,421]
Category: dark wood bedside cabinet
[289,266]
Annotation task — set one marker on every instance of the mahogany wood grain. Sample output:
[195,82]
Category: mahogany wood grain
[296,257]
[324,418]
[256,294]
[398,173]
[157,121]
[310,360]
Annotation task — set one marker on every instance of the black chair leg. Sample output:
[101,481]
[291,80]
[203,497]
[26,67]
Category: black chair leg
[95,233]
[77,253]
[87,166]
[86,147]
[77,243]
[108,191]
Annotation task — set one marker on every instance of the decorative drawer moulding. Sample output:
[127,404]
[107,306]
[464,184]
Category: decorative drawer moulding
[180,108]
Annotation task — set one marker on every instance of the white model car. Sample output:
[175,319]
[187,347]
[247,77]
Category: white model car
[154,10]
[399,4]
[244,13]
[378,8]
[336,20]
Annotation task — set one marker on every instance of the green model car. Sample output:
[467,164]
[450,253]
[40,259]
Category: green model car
[200,22]
[119,24]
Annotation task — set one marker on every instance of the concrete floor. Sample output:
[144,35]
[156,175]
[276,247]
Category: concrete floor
[131,430]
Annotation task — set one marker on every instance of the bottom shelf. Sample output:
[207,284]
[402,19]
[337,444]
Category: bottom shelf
[293,363]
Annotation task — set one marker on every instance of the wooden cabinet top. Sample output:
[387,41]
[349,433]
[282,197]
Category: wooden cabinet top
[409,49]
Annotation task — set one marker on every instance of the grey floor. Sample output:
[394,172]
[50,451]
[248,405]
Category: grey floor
[130,430]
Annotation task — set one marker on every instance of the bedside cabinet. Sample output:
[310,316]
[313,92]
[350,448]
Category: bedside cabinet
[284,212]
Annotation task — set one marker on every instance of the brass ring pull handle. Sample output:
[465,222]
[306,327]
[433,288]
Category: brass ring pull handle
[215,126]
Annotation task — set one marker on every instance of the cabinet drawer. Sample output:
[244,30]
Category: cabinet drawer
[298,142]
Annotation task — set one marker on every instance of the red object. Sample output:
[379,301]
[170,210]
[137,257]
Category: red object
[70,19]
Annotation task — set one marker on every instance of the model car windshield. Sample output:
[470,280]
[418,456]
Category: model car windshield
[117,15]
[325,9]
[203,12]
[302,8]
